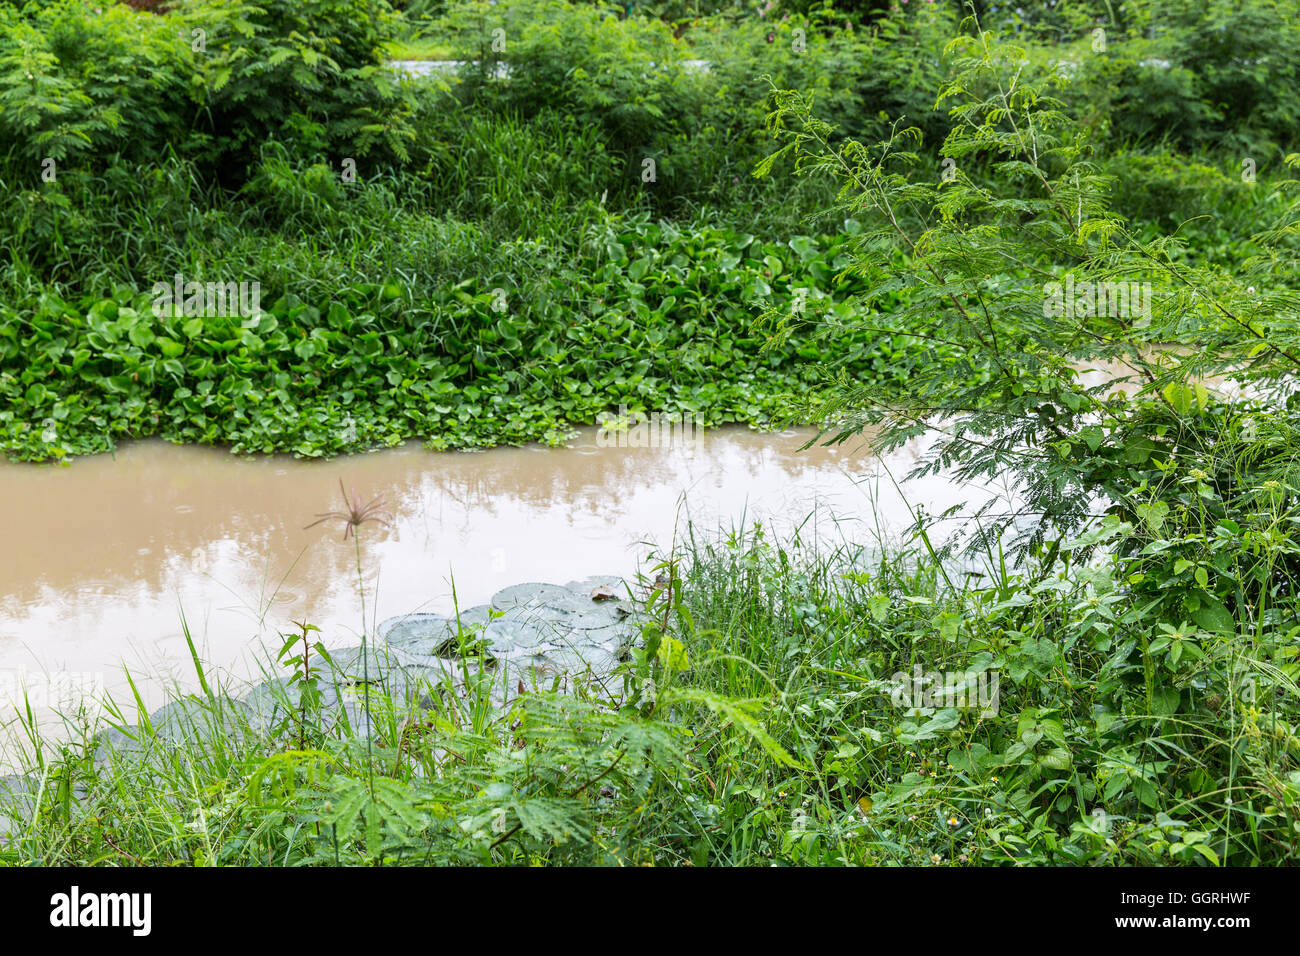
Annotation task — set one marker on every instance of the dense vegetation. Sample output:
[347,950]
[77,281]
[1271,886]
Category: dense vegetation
[574,222]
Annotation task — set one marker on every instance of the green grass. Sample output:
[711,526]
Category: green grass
[761,722]
[405,322]
[419,48]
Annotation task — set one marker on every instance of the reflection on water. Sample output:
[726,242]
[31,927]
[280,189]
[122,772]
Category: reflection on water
[101,557]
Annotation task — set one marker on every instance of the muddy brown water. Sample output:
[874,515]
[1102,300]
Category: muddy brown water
[101,557]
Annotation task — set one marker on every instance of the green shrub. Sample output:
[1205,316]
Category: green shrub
[623,77]
[702,128]
[1202,75]
[1168,191]
[1246,60]
[309,72]
[212,80]
[88,88]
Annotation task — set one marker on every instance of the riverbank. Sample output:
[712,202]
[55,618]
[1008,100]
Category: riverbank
[126,554]
[782,706]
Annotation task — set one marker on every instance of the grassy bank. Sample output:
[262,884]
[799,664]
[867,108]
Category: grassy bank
[769,717]
[478,259]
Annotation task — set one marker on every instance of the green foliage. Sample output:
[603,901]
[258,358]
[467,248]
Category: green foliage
[621,77]
[1176,611]
[305,681]
[1202,75]
[1168,192]
[312,72]
[457,363]
[79,87]
[510,174]
[766,717]
[548,778]
[1247,65]
[642,88]
[496,273]
[1076,764]
[211,80]
[979,251]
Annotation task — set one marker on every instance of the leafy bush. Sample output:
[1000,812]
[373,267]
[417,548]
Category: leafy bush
[1167,192]
[81,87]
[622,77]
[211,80]
[702,127]
[1180,602]
[309,72]
[1203,75]
[645,315]
[1246,59]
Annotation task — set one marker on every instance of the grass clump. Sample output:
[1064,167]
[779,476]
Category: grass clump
[781,707]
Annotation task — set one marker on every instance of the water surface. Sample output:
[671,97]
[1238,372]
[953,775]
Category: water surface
[102,557]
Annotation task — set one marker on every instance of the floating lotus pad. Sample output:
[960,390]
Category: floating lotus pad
[275,701]
[530,595]
[541,626]
[427,638]
[539,631]
[347,663]
[342,689]
[588,585]
[183,721]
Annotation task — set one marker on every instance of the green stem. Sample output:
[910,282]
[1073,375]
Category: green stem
[365,668]
[1148,675]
